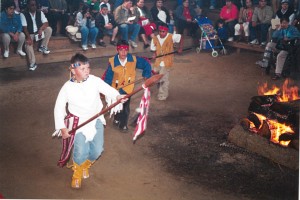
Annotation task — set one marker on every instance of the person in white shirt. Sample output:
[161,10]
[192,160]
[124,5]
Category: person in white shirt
[107,4]
[81,96]
[35,26]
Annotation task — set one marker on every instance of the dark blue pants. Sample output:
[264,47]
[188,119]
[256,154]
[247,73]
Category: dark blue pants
[262,29]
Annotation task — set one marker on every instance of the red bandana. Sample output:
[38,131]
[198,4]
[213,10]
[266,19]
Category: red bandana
[119,47]
[163,28]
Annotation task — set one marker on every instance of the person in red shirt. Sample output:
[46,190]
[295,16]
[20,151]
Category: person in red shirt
[229,13]
[185,16]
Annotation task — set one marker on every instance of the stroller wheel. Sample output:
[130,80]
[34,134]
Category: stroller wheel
[198,49]
[214,53]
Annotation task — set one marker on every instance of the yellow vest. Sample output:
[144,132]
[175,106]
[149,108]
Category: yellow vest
[123,75]
[161,50]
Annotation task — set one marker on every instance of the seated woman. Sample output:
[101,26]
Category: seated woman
[229,13]
[86,23]
[185,16]
[161,15]
[145,21]
[284,34]
[245,17]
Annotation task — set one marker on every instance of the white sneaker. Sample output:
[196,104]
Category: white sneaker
[6,54]
[32,67]
[263,43]
[43,49]
[94,46]
[230,39]
[21,53]
[133,44]
[84,47]
[255,41]
[262,64]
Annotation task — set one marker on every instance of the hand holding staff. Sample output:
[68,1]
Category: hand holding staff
[148,83]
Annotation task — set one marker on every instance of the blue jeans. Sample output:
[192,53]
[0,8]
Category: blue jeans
[262,29]
[212,3]
[88,150]
[88,35]
[125,29]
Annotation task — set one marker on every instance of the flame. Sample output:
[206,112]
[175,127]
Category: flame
[275,128]
[285,94]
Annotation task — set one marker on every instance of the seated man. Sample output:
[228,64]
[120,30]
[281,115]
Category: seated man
[58,12]
[106,24]
[36,28]
[261,21]
[126,24]
[280,37]
[11,29]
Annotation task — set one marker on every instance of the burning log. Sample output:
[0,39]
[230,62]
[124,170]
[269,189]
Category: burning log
[283,112]
[245,123]
[264,131]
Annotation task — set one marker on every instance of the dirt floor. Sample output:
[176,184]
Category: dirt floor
[181,156]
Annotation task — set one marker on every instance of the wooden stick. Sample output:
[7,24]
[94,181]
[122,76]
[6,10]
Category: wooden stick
[148,83]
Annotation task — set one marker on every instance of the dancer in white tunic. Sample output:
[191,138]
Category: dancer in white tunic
[81,94]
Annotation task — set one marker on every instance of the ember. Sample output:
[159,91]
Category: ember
[275,114]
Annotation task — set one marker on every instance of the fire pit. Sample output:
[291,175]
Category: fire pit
[273,123]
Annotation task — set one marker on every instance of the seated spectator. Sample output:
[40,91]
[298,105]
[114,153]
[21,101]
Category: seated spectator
[229,13]
[21,5]
[245,18]
[285,11]
[74,6]
[106,24]
[44,6]
[185,18]
[87,27]
[145,21]
[58,13]
[107,4]
[284,34]
[261,21]
[11,29]
[222,31]
[94,6]
[126,24]
[36,28]
[161,15]
[213,4]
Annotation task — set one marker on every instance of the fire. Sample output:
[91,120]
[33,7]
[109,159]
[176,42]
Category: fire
[275,128]
[285,94]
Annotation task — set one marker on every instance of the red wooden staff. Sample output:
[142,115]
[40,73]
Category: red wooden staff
[148,83]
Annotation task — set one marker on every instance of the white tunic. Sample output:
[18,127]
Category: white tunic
[83,101]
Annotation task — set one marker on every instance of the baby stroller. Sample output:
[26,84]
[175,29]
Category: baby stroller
[209,38]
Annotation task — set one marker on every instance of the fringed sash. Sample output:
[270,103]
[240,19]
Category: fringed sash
[71,121]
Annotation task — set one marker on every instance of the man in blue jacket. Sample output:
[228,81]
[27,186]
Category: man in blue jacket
[11,29]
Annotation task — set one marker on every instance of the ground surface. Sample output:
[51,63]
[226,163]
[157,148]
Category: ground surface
[181,156]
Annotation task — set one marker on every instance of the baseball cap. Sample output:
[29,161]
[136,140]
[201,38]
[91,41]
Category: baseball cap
[284,1]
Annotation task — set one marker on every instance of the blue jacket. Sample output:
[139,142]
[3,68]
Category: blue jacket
[8,25]
[141,63]
[291,33]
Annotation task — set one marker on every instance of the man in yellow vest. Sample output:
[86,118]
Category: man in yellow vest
[163,44]
[121,71]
